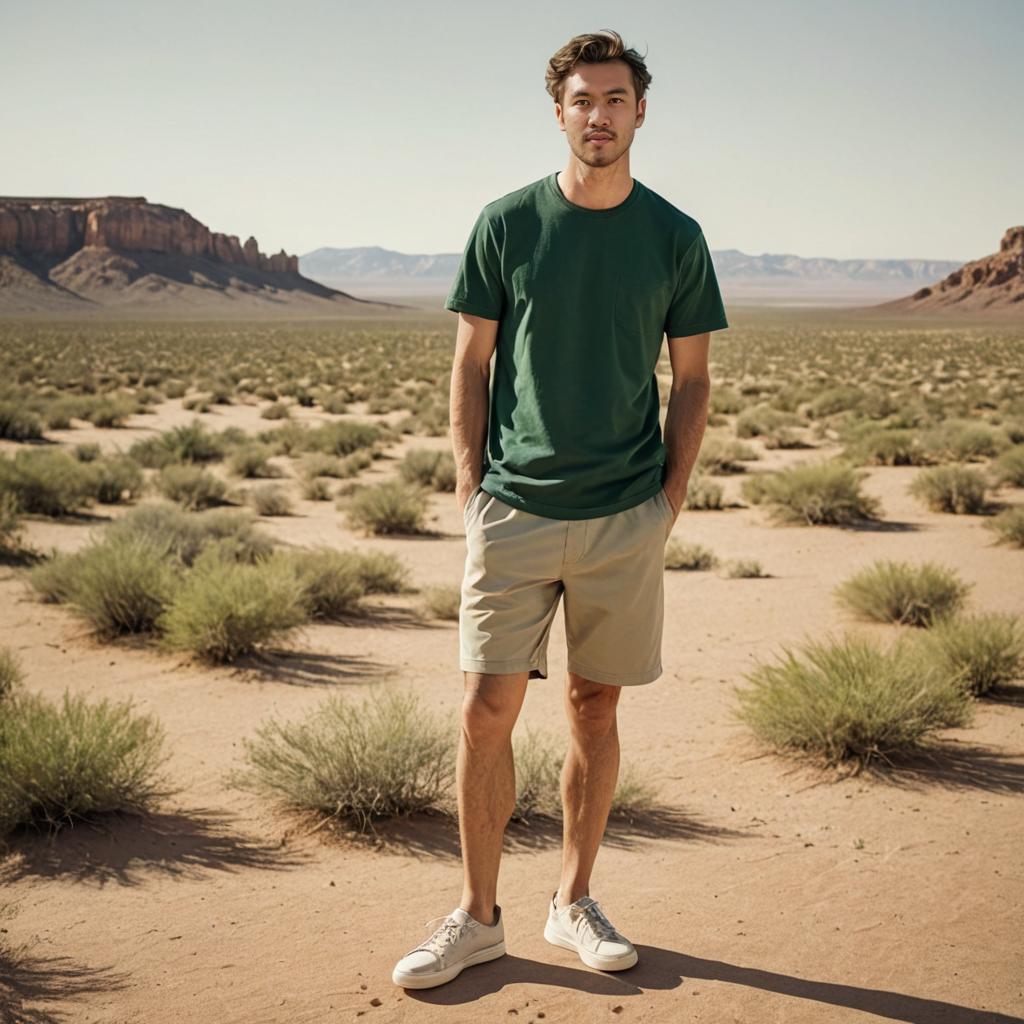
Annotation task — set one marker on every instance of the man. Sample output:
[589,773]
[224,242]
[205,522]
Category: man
[565,482]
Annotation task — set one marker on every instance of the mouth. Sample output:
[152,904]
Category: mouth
[599,138]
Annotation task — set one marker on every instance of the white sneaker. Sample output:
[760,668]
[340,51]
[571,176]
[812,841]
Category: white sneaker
[582,927]
[460,941]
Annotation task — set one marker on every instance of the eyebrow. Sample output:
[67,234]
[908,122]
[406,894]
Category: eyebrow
[608,92]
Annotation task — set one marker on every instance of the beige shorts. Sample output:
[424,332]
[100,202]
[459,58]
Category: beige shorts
[610,568]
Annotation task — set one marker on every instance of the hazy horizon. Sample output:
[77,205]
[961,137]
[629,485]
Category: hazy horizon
[871,132]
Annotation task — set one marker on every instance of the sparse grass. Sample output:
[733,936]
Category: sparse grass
[904,593]
[225,608]
[1009,526]
[61,763]
[690,557]
[11,674]
[10,522]
[354,761]
[388,507]
[954,489]
[744,569]
[982,652]
[814,493]
[191,486]
[441,601]
[850,700]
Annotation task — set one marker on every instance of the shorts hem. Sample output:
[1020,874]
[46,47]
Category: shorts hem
[613,678]
[503,666]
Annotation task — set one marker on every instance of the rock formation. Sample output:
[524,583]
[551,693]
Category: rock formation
[991,284]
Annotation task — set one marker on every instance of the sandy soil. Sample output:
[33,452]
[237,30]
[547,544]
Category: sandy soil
[766,892]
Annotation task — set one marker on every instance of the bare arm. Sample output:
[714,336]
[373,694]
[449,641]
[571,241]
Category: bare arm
[469,405]
[687,415]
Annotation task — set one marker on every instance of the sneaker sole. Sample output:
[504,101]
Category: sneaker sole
[601,963]
[450,972]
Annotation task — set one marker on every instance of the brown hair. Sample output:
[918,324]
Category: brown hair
[593,48]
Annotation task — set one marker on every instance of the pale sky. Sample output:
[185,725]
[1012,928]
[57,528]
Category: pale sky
[875,128]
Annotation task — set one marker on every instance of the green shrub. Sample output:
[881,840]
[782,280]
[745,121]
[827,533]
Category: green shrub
[331,580]
[815,493]
[442,601]
[191,443]
[118,584]
[912,595]
[251,460]
[116,478]
[744,569]
[314,489]
[62,763]
[428,468]
[87,451]
[356,762]
[276,411]
[1009,525]
[982,652]
[191,486]
[702,493]
[49,483]
[182,535]
[269,500]
[388,507]
[961,441]
[10,522]
[11,675]
[18,423]
[345,436]
[691,557]
[382,572]
[886,447]
[759,420]
[719,456]
[950,489]
[225,608]
[850,700]
[1008,469]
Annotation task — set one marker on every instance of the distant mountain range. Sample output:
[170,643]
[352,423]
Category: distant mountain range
[771,277]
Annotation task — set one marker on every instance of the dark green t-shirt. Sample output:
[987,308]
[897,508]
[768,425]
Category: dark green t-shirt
[584,299]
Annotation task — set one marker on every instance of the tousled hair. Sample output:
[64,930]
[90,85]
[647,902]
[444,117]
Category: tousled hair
[594,48]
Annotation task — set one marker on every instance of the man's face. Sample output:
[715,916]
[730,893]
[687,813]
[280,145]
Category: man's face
[600,112]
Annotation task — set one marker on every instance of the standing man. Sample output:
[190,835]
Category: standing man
[565,482]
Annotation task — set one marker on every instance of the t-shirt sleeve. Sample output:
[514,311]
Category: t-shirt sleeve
[696,305]
[477,288]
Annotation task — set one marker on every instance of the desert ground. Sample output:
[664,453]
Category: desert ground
[766,890]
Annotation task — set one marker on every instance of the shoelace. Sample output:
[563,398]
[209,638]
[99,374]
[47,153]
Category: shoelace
[448,932]
[594,918]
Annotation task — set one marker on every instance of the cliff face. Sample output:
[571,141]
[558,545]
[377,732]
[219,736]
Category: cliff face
[55,229]
[991,284]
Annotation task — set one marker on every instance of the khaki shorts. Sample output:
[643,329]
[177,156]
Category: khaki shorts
[610,568]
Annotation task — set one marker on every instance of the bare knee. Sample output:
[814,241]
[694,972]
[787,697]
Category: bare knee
[591,706]
[491,706]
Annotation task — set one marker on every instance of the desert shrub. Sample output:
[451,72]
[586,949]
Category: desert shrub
[182,535]
[118,584]
[744,569]
[49,483]
[11,675]
[251,460]
[320,464]
[702,493]
[190,442]
[815,493]
[961,441]
[950,489]
[382,572]
[315,489]
[433,469]
[87,451]
[719,456]
[10,521]
[17,423]
[912,595]
[331,580]
[191,486]
[388,507]
[345,436]
[879,446]
[850,700]
[441,601]
[691,557]
[71,761]
[982,652]
[225,608]
[275,411]
[109,411]
[1009,467]
[1009,525]
[116,478]
[761,419]
[269,500]
[384,756]
[725,401]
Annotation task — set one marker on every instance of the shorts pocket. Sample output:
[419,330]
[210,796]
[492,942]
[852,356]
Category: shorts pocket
[468,507]
[667,510]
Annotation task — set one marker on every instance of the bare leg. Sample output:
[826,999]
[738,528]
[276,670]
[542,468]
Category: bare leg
[589,776]
[485,779]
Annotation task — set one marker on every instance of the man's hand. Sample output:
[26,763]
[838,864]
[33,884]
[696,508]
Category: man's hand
[463,491]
